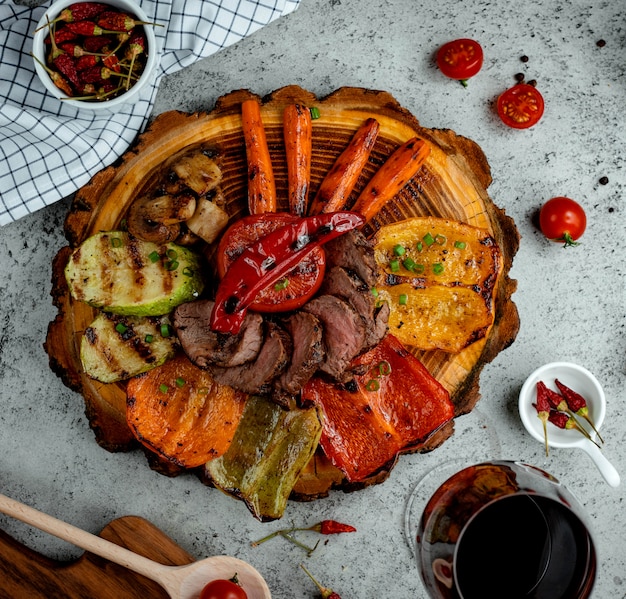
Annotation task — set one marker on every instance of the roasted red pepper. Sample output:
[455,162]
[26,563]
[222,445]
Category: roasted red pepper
[359,436]
[271,258]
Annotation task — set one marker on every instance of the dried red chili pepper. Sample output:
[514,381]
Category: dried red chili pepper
[332,527]
[87,28]
[96,43]
[81,11]
[58,79]
[60,36]
[86,62]
[270,259]
[64,63]
[111,61]
[577,404]
[95,74]
[118,21]
[543,409]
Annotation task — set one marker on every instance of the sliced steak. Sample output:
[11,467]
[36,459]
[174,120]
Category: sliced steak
[353,251]
[206,347]
[257,376]
[344,332]
[346,284]
[305,331]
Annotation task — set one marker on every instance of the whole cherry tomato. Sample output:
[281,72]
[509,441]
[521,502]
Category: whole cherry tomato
[460,59]
[223,589]
[563,220]
[297,287]
[520,106]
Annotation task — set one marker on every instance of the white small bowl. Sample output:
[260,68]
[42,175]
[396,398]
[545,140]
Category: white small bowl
[584,383]
[147,76]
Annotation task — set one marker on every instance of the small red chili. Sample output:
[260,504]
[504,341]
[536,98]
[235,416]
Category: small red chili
[81,11]
[577,404]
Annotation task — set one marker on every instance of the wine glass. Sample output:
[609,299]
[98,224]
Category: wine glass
[500,529]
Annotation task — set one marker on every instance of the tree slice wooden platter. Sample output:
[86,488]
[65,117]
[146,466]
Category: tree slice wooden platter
[26,574]
[452,184]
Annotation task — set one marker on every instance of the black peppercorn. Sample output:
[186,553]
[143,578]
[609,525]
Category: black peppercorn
[600,43]
[603,180]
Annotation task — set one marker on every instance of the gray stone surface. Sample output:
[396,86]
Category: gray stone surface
[571,301]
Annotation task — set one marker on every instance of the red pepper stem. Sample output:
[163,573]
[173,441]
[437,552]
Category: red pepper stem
[326,592]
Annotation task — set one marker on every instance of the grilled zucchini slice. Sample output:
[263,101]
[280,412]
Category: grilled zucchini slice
[115,348]
[118,273]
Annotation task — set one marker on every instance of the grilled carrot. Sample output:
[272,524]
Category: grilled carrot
[261,185]
[297,133]
[399,168]
[336,187]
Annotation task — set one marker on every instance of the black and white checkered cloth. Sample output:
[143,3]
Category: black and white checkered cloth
[48,149]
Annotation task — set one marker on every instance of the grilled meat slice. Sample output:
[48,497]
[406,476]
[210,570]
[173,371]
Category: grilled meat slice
[305,331]
[353,251]
[346,284]
[344,332]
[256,377]
[205,347]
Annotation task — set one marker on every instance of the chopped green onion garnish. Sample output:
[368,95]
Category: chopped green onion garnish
[460,245]
[171,265]
[281,285]
[180,382]
[165,330]
[149,338]
[438,268]
[394,265]
[116,242]
[163,388]
[121,328]
[172,254]
[409,263]
[399,250]
[374,291]
[384,368]
[188,272]
[419,246]
[418,269]
[440,239]
[428,239]
[402,300]
[372,385]
[153,256]
[315,112]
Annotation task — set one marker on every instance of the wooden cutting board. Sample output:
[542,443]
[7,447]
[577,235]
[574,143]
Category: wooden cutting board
[26,574]
[452,184]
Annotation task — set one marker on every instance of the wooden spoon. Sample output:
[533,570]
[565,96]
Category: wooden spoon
[181,582]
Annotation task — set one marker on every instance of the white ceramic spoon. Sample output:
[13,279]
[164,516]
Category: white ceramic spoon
[181,582]
[583,382]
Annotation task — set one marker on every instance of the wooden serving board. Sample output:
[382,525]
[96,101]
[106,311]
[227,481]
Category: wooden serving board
[452,184]
[26,574]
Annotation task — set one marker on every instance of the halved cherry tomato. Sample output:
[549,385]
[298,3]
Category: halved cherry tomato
[223,589]
[520,106]
[297,287]
[562,220]
[460,59]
